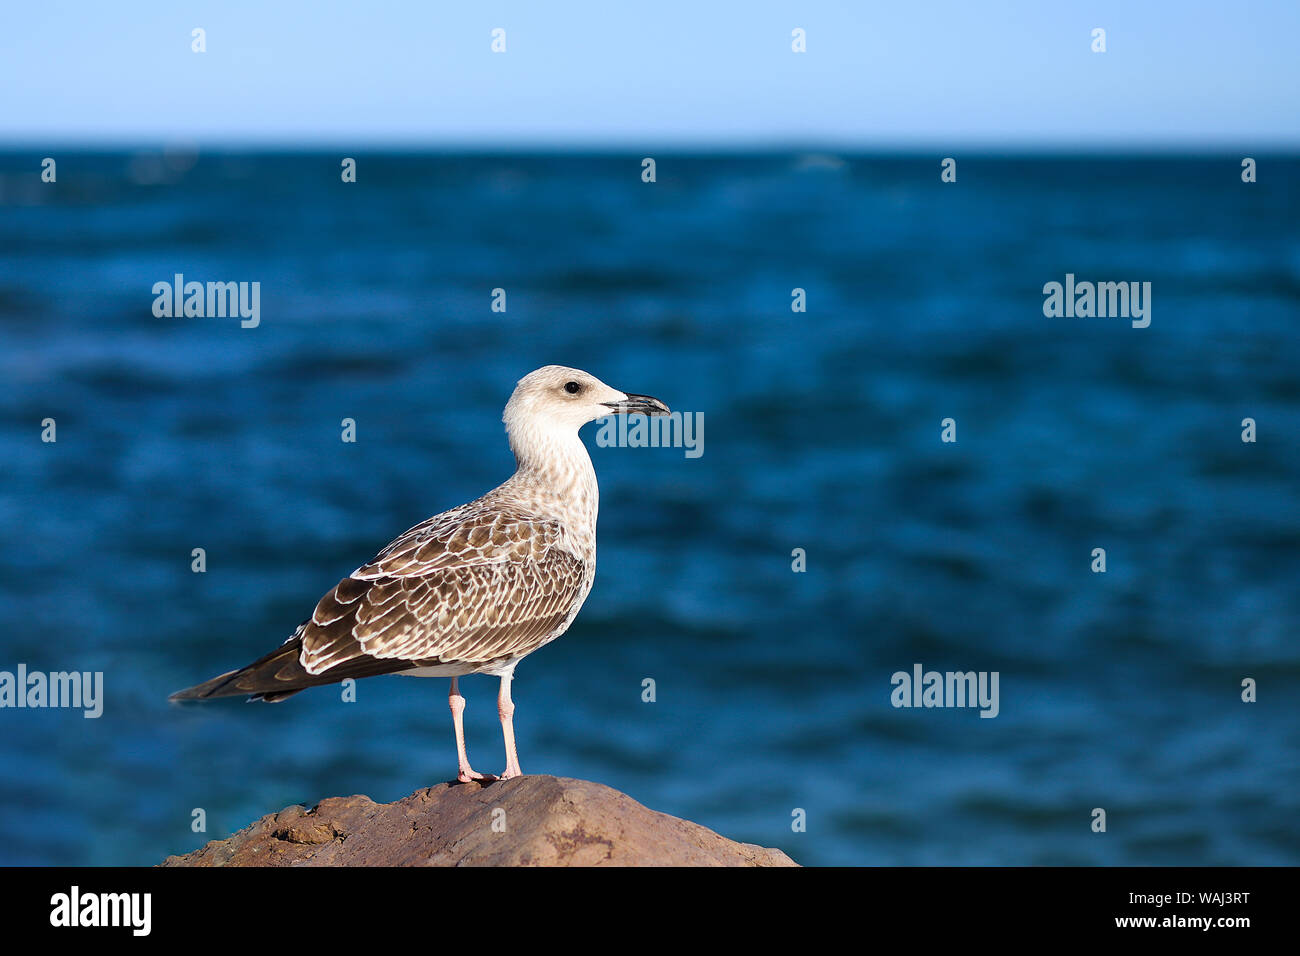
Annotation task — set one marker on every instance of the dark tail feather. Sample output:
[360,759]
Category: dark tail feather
[271,678]
[280,674]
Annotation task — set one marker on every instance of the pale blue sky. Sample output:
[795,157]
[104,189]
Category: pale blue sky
[654,73]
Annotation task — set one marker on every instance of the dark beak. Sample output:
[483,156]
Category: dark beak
[638,405]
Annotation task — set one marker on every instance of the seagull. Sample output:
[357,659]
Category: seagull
[475,589]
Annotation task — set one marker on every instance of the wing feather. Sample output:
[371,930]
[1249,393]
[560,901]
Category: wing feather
[467,587]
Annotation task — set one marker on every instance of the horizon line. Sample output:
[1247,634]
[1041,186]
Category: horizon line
[145,143]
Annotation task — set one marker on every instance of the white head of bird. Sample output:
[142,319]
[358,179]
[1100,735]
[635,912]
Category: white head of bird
[550,405]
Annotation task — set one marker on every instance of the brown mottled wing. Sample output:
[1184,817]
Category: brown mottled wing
[472,586]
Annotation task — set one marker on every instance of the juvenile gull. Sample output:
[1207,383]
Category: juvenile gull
[472,590]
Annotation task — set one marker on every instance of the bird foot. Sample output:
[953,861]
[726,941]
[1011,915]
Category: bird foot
[468,775]
[510,774]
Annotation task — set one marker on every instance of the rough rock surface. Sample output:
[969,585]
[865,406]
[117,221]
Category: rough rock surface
[528,821]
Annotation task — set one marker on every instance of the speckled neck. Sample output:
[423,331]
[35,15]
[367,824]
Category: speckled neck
[555,478]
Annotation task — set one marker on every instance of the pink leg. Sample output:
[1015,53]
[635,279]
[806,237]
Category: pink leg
[457,703]
[506,710]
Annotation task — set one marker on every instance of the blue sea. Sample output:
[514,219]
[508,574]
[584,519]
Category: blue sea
[772,719]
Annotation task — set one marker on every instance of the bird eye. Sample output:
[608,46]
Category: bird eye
[573,388]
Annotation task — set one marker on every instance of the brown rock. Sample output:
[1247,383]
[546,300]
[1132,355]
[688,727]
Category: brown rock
[528,821]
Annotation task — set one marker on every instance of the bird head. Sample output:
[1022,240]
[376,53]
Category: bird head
[555,401]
